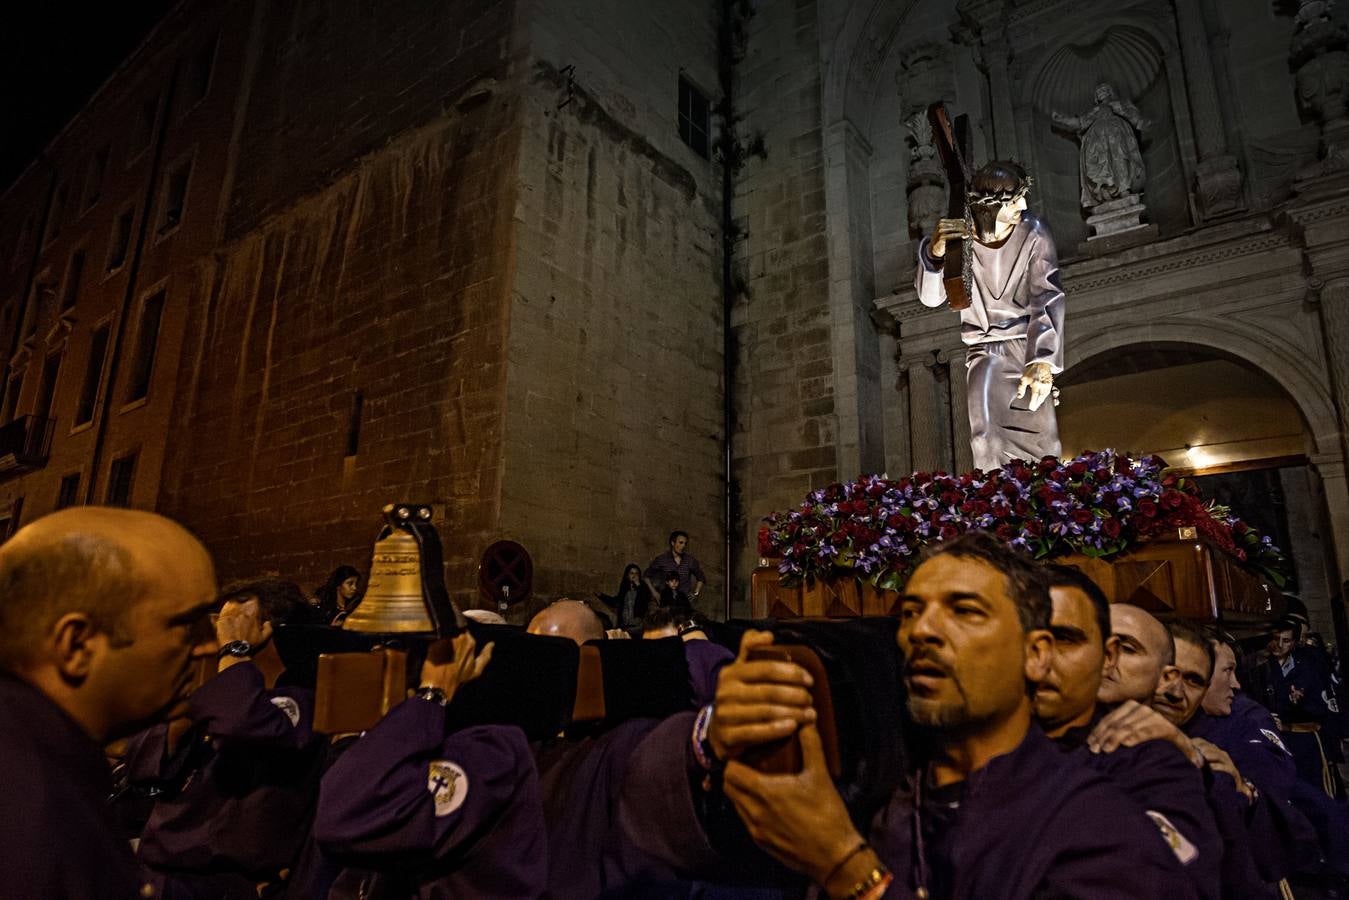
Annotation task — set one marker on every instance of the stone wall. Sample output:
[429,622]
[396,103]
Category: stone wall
[613,434]
[786,426]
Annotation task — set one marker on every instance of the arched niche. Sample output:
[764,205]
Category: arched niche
[1144,70]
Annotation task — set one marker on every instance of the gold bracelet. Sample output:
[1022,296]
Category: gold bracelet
[872,886]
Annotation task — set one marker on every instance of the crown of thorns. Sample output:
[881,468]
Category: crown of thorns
[1003,196]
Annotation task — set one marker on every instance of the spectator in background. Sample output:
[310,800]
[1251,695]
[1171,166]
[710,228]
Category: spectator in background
[632,599]
[336,597]
[673,599]
[679,561]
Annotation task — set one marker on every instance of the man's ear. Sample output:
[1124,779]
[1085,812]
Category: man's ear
[1111,656]
[72,644]
[1039,654]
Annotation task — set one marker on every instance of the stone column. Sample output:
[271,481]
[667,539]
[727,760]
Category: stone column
[925,419]
[960,410]
[1217,177]
[1330,469]
[1334,297]
[857,397]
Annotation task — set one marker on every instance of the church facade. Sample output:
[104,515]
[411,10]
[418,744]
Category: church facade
[582,275]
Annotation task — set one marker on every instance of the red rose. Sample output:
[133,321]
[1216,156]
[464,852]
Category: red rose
[1082,516]
[1110,527]
[1147,509]
[1077,469]
[1033,527]
[1173,499]
[1005,532]
[948,531]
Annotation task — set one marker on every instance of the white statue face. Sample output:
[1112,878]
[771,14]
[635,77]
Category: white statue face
[1104,92]
[1009,216]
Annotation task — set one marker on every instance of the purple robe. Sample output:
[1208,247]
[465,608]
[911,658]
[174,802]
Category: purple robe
[456,815]
[705,660]
[1284,824]
[1157,776]
[1030,823]
[59,839]
[1033,823]
[244,784]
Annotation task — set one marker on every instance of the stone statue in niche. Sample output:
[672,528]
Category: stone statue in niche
[1112,164]
[1320,60]
[925,186]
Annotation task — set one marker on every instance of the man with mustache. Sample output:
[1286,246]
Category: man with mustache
[995,810]
[102,615]
[1154,773]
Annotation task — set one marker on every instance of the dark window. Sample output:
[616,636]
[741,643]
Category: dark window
[121,239]
[199,75]
[354,424]
[120,477]
[58,214]
[694,118]
[175,196]
[147,337]
[46,394]
[39,310]
[69,494]
[74,273]
[98,168]
[145,127]
[12,393]
[93,375]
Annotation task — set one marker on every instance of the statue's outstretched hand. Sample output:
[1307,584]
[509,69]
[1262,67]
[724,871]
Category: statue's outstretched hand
[1038,378]
[946,230]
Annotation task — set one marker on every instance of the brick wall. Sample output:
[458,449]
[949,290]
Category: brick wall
[392,280]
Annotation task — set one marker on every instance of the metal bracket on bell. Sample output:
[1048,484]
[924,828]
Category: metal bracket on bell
[405,593]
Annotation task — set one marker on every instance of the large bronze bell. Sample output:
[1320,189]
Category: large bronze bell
[405,593]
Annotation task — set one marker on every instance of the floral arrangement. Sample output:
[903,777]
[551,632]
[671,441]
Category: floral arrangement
[1097,504]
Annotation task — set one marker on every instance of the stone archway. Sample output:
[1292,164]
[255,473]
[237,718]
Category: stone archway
[1244,429]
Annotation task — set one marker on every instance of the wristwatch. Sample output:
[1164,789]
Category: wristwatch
[235,648]
[432,693]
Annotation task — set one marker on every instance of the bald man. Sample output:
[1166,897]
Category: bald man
[102,613]
[569,619]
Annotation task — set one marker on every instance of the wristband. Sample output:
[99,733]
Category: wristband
[702,750]
[239,649]
[433,694]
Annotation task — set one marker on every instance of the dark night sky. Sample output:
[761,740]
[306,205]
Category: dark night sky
[53,56]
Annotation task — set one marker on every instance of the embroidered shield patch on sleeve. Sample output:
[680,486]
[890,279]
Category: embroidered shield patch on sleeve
[1179,844]
[1273,739]
[288,706]
[448,784]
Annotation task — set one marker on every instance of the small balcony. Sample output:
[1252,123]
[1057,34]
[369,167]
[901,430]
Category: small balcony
[25,444]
